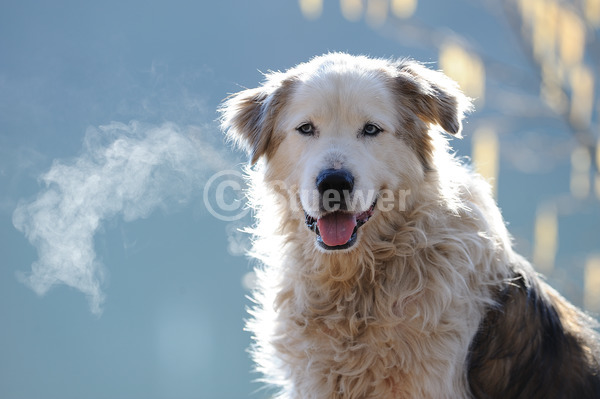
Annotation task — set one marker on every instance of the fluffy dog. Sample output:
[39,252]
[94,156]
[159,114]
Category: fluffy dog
[386,267]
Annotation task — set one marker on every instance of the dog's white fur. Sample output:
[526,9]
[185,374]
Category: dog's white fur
[393,316]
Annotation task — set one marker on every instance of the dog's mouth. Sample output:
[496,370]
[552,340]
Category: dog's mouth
[338,230]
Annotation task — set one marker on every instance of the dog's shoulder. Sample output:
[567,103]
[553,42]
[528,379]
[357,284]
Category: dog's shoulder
[533,344]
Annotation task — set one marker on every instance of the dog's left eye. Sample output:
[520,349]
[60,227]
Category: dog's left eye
[371,129]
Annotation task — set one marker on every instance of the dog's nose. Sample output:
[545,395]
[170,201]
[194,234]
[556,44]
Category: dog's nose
[339,181]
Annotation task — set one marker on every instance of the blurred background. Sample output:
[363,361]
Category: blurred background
[118,279]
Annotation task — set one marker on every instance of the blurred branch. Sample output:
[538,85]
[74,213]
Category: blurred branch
[552,68]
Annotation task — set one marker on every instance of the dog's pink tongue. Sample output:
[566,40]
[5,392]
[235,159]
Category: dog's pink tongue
[336,228]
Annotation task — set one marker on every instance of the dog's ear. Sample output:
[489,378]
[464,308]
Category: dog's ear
[432,96]
[249,117]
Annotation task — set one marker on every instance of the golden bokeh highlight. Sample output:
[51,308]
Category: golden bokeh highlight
[572,37]
[485,154]
[545,243]
[311,9]
[544,28]
[465,68]
[404,8]
[351,9]
[582,96]
[591,298]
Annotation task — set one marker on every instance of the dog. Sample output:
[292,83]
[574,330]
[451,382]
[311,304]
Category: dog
[385,267]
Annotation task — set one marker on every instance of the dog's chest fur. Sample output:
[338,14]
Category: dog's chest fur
[373,328]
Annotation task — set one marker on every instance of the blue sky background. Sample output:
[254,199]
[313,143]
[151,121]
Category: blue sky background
[99,88]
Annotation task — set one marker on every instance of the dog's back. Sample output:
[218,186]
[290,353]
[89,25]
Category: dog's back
[534,344]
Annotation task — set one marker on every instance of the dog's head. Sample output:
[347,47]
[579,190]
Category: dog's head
[344,133]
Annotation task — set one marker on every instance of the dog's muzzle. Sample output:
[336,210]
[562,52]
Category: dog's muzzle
[336,228]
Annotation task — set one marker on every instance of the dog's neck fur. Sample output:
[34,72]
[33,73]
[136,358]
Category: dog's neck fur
[338,308]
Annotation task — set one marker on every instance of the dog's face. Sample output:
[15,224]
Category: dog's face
[345,137]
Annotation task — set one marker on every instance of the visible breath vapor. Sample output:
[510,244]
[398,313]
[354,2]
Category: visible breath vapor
[129,170]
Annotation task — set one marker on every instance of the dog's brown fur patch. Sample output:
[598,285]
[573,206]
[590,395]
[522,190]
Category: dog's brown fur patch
[252,115]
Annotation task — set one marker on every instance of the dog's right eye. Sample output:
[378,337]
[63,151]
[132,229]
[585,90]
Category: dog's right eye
[306,128]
